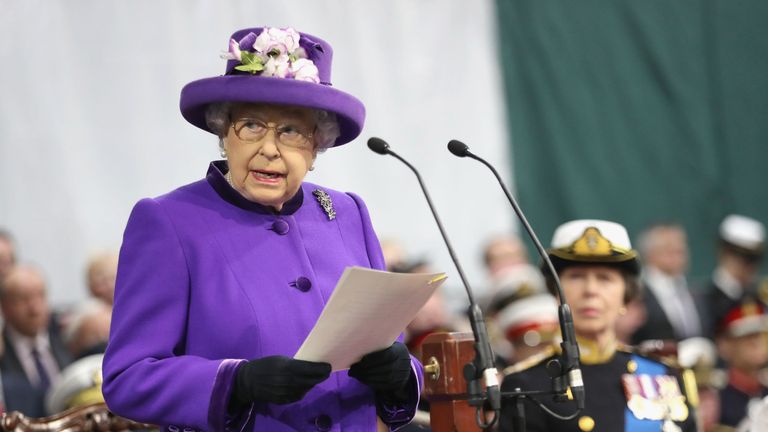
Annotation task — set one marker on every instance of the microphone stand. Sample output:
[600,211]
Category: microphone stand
[482,367]
[570,349]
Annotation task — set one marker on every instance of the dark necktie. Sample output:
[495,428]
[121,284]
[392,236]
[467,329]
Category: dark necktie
[45,380]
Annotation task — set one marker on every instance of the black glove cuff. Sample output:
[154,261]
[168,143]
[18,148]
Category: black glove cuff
[238,397]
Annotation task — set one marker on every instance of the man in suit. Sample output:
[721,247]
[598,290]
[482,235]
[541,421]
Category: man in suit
[34,353]
[671,311]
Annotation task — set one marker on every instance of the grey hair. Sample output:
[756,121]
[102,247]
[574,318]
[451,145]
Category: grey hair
[326,130]
[649,238]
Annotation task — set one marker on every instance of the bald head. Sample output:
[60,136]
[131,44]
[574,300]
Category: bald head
[665,247]
[23,300]
[502,253]
[102,271]
[7,253]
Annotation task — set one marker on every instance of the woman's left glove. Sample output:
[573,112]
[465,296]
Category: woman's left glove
[386,371]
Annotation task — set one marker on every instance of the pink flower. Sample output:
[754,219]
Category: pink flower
[234,51]
[277,54]
[282,41]
[305,70]
[277,67]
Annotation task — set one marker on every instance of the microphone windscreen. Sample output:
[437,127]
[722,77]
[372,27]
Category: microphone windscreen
[458,148]
[378,145]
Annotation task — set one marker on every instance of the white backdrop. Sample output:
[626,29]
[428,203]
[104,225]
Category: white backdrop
[89,119]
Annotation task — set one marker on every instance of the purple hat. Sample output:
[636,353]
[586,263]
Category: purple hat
[275,66]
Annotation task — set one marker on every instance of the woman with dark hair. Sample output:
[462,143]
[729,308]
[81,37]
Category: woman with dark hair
[625,391]
[220,281]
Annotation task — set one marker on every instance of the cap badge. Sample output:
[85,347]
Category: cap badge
[592,242]
[525,290]
[750,309]
[325,202]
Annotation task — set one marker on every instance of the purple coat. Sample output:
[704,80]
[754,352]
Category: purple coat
[208,280]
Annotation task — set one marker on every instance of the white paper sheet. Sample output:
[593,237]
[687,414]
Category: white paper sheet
[366,312]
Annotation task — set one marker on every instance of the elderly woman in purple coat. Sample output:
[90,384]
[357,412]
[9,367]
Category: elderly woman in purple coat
[220,281]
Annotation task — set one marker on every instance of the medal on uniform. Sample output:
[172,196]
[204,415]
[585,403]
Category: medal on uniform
[670,426]
[655,397]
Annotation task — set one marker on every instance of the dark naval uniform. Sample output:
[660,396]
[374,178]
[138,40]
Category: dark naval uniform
[624,392]
[734,401]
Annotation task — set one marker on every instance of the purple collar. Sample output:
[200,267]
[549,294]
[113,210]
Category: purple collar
[218,182]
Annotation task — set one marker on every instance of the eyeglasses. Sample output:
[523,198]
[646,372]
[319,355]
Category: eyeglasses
[288,135]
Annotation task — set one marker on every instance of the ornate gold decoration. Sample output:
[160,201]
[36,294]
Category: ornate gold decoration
[592,242]
[91,418]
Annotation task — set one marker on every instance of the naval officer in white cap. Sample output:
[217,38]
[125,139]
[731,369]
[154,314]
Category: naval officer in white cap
[741,242]
[625,391]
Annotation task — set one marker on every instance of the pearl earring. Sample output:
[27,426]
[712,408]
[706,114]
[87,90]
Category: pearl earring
[223,153]
[312,168]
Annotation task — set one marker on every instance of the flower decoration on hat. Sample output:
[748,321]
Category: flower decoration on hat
[275,52]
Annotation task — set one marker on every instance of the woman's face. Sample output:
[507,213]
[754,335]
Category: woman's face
[596,296]
[747,353]
[266,171]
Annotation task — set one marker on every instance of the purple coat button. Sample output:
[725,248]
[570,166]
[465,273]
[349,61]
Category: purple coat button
[302,284]
[323,422]
[280,226]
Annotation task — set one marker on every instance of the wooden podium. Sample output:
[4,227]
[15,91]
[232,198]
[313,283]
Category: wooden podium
[444,356]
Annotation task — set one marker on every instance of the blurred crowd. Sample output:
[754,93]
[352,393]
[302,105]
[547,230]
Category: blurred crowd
[716,330]
[50,359]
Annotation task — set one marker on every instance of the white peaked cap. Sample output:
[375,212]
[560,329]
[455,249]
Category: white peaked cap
[79,376]
[535,310]
[593,241]
[568,233]
[743,232]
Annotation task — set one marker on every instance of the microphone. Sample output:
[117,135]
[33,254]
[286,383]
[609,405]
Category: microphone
[379,146]
[458,148]
[483,363]
[569,346]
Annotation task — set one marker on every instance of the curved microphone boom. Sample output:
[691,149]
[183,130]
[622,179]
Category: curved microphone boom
[483,364]
[569,345]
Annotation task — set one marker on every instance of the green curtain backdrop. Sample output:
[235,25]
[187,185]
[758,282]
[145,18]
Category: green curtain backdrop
[638,111]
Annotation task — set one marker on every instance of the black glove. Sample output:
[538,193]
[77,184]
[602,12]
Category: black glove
[386,371]
[276,379]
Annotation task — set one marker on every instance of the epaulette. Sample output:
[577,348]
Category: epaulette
[530,361]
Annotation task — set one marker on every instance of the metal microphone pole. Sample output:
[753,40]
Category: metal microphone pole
[569,346]
[482,366]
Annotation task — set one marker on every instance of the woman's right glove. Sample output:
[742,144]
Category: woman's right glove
[276,379]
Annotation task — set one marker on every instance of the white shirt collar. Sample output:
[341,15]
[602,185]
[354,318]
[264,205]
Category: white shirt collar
[27,344]
[662,284]
[728,284]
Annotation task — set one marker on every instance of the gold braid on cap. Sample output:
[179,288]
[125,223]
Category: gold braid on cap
[593,246]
